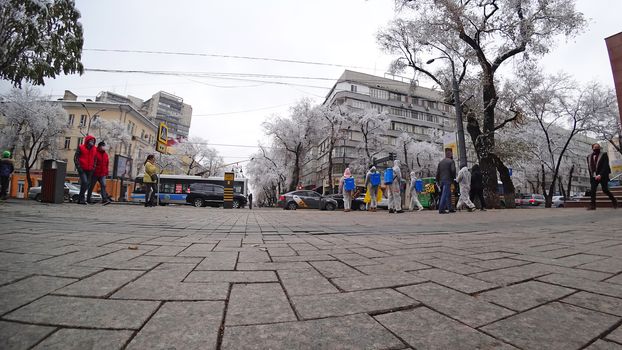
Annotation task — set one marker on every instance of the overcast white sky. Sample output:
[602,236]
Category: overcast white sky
[336,32]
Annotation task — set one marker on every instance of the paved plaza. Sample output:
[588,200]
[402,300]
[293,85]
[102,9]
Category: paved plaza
[129,277]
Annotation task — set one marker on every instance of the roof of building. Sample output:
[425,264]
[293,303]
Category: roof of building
[389,85]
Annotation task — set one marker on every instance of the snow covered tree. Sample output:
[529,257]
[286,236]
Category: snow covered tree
[373,126]
[558,110]
[490,33]
[335,124]
[295,134]
[197,155]
[112,132]
[32,126]
[39,39]
[606,124]
[267,171]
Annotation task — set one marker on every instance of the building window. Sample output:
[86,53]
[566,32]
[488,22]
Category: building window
[379,94]
[359,104]
[397,97]
[353,88]
[80,140]
[72,117]
[67,142]
[83,120]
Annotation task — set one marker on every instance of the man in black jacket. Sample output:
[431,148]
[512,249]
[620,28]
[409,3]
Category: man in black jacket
[445,175]
[598,165]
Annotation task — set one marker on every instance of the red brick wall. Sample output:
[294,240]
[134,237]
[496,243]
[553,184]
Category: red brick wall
[614,47]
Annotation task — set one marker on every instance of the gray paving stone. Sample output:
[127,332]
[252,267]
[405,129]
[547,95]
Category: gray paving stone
[523,296]
[273,266]
[332,269]
[491,255]
[167,250]
[101,284]
[344,333]
[254,257]
[7,277]
[604,345]
[552,326]
[611,265]
[85,312]
[198,249]
[305,282]
[232,276]
[452,266]
[377,281]
[514,274]
[219,261]
[617,279]
[355,259]
[17,336]
[596,302]
[462,307]
[498,263]
[22,292]
[457,281]
[616,335]
[326,305]
[182,325]
[318,257]
[605,288]
[164,283]
[79,339]
[423,328]
[258,303]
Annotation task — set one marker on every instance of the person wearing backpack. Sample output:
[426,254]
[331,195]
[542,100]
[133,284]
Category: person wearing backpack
[414,192]
[372,183]
[347,187]
[393,180]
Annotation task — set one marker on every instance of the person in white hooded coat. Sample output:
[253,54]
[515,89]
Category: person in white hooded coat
[464,180]
[414,196]
[395,197]
[372,186]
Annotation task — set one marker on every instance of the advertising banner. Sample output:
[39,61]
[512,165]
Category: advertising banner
[122,167]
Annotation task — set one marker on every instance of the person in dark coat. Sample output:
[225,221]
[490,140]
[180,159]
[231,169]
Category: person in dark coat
[445,175]
[477,186]
[250,201]
[7,166]
[598,165]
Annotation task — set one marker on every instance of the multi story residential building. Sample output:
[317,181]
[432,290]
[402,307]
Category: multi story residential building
[161,107]
[412,109]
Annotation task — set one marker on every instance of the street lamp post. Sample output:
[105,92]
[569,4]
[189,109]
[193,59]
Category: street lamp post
[88,128]
[458,107]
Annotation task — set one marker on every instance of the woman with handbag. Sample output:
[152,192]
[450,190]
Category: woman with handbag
[150,180]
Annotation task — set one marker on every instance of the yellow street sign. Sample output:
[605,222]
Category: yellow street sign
[161,147]
[163,133]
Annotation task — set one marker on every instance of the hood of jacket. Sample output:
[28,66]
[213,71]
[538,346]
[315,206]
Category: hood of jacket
[397,172]
[347,173]
[89,138]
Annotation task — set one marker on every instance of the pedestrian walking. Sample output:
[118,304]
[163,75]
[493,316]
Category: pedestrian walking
[347,187]
[598,165]
[393,181]
[250,201]
[414,193]
[372,183]
[7,166]
[84,160]
[477,187]
[100,173]
[464,181]
[150,180]
[445,175]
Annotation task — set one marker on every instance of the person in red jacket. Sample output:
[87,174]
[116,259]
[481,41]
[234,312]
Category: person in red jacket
[100,173]
[84,160]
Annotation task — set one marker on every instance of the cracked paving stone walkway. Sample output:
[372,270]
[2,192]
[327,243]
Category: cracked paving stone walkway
[129,277]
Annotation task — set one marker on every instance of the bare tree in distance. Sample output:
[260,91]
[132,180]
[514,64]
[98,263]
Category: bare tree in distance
[336,125]
[489,32]
[33,125]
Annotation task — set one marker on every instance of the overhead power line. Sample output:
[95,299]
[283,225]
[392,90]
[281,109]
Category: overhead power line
[282,60]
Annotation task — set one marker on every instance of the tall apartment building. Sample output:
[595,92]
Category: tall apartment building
[413,109]
[161,107]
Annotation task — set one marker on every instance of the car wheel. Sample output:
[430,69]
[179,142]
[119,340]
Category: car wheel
[362,206]
[66,198]
[75,198]
[236,204]
[292,206]
[38,197]
[330,206]
[198,202]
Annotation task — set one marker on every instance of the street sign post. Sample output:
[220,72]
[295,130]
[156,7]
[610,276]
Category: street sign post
[228,195]
[162,138]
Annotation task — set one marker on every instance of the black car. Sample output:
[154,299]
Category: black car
[306,200]
[357,203]
[203,194]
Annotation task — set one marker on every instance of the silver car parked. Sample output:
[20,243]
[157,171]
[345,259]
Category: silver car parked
[72,193]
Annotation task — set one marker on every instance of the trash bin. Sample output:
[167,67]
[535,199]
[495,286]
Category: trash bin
[53,187]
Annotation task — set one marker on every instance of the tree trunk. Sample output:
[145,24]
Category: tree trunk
[508,185]
[569,182]
[330,167]
[28,177]
[543,183]
[296,172]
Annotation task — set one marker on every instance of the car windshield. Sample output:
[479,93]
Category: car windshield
[72,187]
